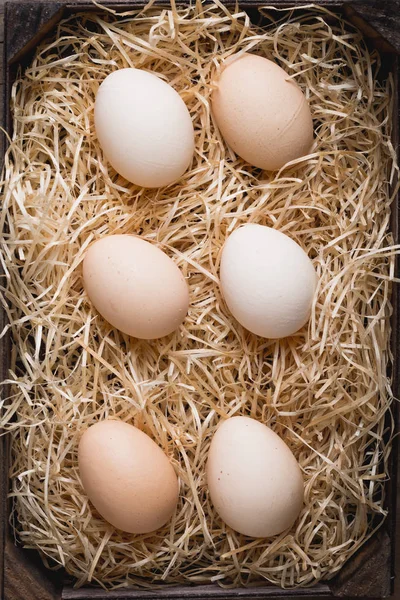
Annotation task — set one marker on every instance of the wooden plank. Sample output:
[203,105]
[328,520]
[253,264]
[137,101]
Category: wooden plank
[3,511]
[200,592]
[26,578]
[367,573]
[1,21]
[379,19]
[28,23]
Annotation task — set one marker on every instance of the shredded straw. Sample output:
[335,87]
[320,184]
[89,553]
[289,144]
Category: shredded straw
[325,390]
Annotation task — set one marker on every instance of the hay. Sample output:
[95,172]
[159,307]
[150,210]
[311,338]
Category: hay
[325,390]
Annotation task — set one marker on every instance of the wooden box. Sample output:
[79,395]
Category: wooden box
[368,574]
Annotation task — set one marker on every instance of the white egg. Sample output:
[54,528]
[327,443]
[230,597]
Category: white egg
[143,127]
[267,280]
[255,482]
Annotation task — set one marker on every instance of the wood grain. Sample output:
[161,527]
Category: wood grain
[22,574]
[360,575]
[201,592]
[31,21]
[26,578]
[382,18]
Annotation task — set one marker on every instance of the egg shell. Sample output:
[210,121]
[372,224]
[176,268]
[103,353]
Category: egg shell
[135,286]
[262,115]
[127,477]
[143,127]
[267,280]
[255,482]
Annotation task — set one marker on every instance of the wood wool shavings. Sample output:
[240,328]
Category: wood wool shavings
[324,390]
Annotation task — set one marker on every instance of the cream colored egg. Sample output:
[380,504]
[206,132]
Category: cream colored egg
[255,482]
[261,113]
[127,477]
[143,127]
[267,280]
[135,286]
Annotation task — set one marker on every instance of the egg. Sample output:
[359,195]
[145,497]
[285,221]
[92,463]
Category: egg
[143,127]
[127,477]
[135,286]
[254,480]
[267,280]
[261,113]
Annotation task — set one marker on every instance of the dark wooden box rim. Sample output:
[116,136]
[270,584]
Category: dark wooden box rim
[370,572]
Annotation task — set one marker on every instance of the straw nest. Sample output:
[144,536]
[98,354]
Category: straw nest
[325,390]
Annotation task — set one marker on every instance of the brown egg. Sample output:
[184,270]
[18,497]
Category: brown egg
[262,115]
[127,477]
[135,286]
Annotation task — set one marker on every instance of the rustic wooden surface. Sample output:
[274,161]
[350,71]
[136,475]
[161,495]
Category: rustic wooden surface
[22,575]
[382,15]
